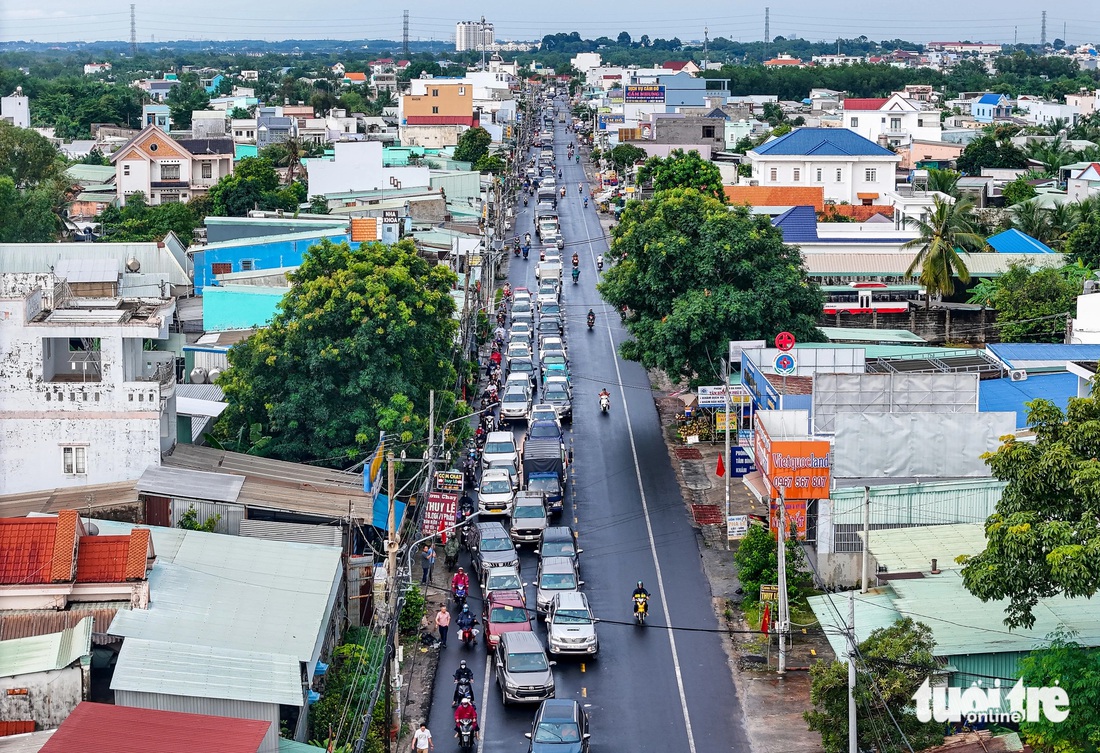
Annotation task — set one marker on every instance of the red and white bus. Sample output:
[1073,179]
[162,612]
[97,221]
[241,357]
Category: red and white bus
[870,297]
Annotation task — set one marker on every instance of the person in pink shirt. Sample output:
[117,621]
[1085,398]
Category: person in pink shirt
[443,622]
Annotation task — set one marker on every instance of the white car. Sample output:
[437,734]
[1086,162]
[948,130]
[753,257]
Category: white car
[521,329]
[515,405]
[570,625]
[518,350]
[544,412]
[495,495]
[550,343]
[548,294]
[560,380]
[499,445]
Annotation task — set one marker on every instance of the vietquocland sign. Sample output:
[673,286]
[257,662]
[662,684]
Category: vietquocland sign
[798,470]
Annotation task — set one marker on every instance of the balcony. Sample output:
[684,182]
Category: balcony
[179,184]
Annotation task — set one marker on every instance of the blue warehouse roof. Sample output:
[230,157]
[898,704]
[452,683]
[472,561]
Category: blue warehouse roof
[1014,242]
[1004,395]
[828,142]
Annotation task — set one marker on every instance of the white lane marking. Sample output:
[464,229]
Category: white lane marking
[648,522]
[484,710]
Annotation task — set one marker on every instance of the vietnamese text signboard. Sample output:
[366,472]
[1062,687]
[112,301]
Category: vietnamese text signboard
[800,469]
[448,481]
[644,93]
[439,512]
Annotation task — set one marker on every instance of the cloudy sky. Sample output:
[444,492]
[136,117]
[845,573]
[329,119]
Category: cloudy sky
[940,20]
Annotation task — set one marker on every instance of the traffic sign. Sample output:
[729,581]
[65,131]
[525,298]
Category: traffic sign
[784,364]
[784,341]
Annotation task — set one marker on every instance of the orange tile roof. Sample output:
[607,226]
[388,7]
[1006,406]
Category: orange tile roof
[857,212]
[64,547]
[137,557]
[355,77]
[777,196]
[783,61]
[26,550]
[102,559]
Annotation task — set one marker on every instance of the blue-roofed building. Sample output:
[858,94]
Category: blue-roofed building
[849,168]
[1012,395]
[1012,241]
[1046,356]
[259,253]
[798,225]
[990,107]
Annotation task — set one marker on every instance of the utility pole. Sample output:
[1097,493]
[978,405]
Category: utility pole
[767,29]
[782,623]
[706,41]
[727,459]
[391,525]
[853,736]
[866,538]
[1043,32]
[405,35]
[133,32]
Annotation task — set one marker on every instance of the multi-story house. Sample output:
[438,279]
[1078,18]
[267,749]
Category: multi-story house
[437,115]
[170,170]
[990,107]
[84,399]
[895,120]
[849,167]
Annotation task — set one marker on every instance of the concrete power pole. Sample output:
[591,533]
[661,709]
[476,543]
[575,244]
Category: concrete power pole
[767,29]
[782,623]
[706,41]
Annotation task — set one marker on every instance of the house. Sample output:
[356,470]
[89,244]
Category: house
[438,116]
[831,60]
[784,61]
[272,128]
[44,677]
[156,115]
[93,69]
[170,170]
[16,109]
[1085,102]
[104,728]
[249,75]
[243,130]
[211,85]
[895,121]
[84,399]
[1085,183]
[158,89]
[676,66]
[352,78]
[848,166]
[381,65]
[357,166]
[383,81]
[990,107]
[236,627]
[264,252]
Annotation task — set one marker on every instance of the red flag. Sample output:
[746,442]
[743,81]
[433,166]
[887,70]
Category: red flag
[766,620]
[721,470]
[443,532]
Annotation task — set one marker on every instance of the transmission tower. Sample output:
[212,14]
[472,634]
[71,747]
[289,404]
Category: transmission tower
[1043,33]
[133,32]
[706,41]
[767,28]
[405,35]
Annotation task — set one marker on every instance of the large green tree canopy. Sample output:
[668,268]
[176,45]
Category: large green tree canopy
[695,274]
[1044,538]
[683,170]
[357,344]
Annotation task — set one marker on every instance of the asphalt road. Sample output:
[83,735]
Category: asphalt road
[650,688]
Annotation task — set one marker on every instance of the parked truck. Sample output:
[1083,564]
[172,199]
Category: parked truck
[544,471]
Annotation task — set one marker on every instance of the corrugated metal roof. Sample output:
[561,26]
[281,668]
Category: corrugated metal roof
[96,496]
[1005,395]
[31,742]
[234,592]
[293,746]
[1013,353]
[190,484]
[874,610]
[88,270]
[798,225]
[102,728]
[305,235]
[905,550]
[43,653]
[200,392]
[39,257]
[862,334]
[199,671]
[1012,241]
[31,622]
[278,531]
[919,504]
[829,264]
[88,174]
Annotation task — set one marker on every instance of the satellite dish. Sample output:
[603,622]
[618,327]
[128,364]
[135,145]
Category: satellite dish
[91,528]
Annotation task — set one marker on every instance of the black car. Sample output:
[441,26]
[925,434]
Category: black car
[560,726]
[559,541]
[491,546]
[545,430]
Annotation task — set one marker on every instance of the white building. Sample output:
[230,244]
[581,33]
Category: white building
[849,167]
[82,402]
[1085,102]
[828,60]
[1084,184]
[243,130]
[896,120]
[91,69]
[586,61]
[473,35]
[170,170]
[1041,112]
[16,109]
[357,166]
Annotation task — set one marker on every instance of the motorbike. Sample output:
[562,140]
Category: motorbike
[586,202]
[468,635]
[515,250]
[576,275]
[524,201]
[500,318]
[463,689]
[561,244]
[559,174]
[466,735]
[580,190]
[576,261]
[578,159]
[563,192]
[605,404]
[641,609]
[460,597]
[526,251]
[599,265]
[591,322]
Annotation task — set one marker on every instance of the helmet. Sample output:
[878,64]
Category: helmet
[466,700]
[462,664]
[461,570]
[639,584]
[466,607]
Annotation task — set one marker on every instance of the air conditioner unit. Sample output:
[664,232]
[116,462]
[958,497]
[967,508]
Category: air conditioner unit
[1018,375]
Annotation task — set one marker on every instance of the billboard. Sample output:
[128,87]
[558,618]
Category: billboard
[644,93]
[715,396]
[798,468]
[439,512]
[602,121]
[763,394]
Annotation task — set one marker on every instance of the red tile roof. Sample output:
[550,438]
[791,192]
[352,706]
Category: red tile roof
[777,196]
[102,559]
[38,550]
[64,547]
[783,61]
[855,103]
[100,728]
[674,65]
[137,556]
[857,212]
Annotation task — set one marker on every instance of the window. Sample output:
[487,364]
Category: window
[207,170]
[125,169]
[75,460]
[221,268]
[839,175]
[855,122]
[895,124]
[435,92]
[796,175]
[870,175]
[435,111]
[774,174]
[462,91]
[169,172]
[152,147]
[819,175]
[169,198]
[708,132]
[246,265]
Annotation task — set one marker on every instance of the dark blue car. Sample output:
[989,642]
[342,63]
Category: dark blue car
[561,726]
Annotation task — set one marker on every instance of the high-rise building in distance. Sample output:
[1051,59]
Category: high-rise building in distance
[473,35]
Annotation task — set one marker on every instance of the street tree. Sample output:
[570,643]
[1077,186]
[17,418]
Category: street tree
[1076,669]
[358,342]
[253,184]
[26,216]
[626,155]
[1083,244]
[473,144]
[683,170]
[489,163]
[138,222]
[1043,538]
[951,226]
[757,560]
[694,274]
[944,181]
[1032,305]
[891,664]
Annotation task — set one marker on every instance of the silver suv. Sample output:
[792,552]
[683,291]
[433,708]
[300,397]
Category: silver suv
[524,673]
[556,575]
[570,626]
[528,518]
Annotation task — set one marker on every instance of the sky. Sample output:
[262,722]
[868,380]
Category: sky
[161,20]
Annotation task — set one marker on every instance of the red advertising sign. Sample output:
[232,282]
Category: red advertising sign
[440,508]
[784,341]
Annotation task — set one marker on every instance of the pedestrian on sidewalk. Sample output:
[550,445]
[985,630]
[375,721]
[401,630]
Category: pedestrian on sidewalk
[443,622]
[422,739]
[427,561]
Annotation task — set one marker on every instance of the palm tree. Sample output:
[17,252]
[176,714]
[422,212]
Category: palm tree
[1063,220]
[1088,210]
[1053,154]
[944,181]
[1055,126]
[1031,219]
[950,227]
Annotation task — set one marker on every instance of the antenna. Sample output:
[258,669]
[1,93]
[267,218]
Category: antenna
[482,39]
[405,35]
[767,29]
[1043,33]
[133,32]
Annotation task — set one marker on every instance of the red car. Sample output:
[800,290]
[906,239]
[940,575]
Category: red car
[504,612]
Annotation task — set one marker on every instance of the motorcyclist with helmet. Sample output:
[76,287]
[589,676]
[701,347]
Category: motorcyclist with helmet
[640,597]
[463,675]
[591,318]
[465,620]
[465,712]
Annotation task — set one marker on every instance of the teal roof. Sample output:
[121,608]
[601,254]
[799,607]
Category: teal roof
[862,334]
[240,151]
[44,653]
[90,174]
[892,351]
[907,550]
[324,231]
